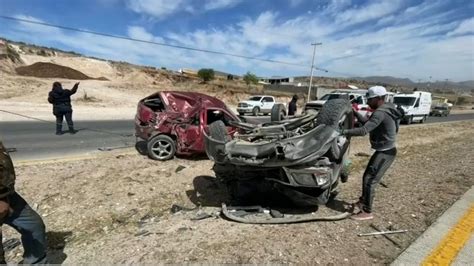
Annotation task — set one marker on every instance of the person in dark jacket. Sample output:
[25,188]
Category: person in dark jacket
[292,105]
[15,212]
[383,128]
[61,100]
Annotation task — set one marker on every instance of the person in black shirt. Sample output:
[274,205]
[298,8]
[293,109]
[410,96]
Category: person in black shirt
[292,105]
[61,100]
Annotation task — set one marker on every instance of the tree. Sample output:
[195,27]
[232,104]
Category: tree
[250,78]
[206,74]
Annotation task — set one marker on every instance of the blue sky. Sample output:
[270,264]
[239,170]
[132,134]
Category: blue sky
[413,39]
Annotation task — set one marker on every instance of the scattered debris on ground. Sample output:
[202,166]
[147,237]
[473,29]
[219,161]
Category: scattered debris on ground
[124,208]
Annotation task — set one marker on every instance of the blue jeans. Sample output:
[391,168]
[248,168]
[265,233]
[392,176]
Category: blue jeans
[31,227]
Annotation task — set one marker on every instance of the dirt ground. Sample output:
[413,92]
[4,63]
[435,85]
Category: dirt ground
[115,207]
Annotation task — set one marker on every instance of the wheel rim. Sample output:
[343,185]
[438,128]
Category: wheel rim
[162,149]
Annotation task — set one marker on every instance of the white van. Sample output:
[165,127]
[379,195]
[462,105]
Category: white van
[417,105]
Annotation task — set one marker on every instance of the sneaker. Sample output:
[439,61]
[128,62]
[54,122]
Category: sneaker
[72,131]
[59,133]
[362,216]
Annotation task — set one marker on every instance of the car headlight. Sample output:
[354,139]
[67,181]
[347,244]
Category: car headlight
[321,179]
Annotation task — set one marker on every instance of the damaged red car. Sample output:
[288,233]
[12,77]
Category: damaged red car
[173,123]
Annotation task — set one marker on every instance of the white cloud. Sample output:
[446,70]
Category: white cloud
[36,28]
[372,11]
[466,26]
[295,3]
[158,8]
[220,4]
[139,33]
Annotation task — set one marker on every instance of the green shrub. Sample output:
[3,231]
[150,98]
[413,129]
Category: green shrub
[206,74]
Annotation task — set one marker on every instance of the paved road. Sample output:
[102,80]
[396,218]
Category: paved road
[36,140]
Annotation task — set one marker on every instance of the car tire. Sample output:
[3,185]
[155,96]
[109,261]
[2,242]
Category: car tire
[255,111]
[337,114]
[161,148]
[410,120]
[423,119]
[218,131]
[278,112]
[141,147]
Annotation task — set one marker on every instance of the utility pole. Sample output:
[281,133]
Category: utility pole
[312,69]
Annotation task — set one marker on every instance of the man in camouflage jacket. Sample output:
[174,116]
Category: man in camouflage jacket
[15,212]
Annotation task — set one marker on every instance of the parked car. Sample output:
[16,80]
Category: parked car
[440,111]
[359,99]
[174,122]
[416,105]
[256,105]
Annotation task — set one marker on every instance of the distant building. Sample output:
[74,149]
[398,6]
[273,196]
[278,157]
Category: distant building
[277,80]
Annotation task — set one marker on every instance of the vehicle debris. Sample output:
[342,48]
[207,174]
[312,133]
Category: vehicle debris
[177,208]
[260,215]
[383,233]
[179,168]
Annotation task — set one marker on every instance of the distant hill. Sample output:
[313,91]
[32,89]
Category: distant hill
[464,86]
[387,80]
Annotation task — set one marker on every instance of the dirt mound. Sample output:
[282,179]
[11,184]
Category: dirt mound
[50,70]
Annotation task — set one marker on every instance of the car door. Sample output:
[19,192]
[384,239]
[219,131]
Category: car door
[268,104]
[189,134]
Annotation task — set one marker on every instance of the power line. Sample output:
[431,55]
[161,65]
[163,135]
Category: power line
[156,43]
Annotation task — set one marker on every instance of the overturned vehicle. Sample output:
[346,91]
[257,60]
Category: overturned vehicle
[301,159]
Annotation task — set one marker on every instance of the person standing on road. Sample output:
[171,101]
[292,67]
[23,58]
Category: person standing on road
[61,100]
[15,212]
[383,128]
[292,105]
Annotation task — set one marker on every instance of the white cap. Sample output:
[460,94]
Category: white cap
[376,91]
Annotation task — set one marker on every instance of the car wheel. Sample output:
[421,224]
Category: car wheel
[337,114]
[423,119]
[278,112]
[218,131]
[255,111]
[410,120]
[161,148]
[141,147]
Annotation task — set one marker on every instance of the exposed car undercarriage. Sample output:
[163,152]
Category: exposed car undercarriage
[301,159]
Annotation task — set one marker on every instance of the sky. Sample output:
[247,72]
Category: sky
[424,40]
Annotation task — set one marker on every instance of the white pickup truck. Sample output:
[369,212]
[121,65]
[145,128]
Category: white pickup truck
[257,104]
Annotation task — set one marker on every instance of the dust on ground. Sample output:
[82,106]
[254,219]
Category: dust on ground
[115,207]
